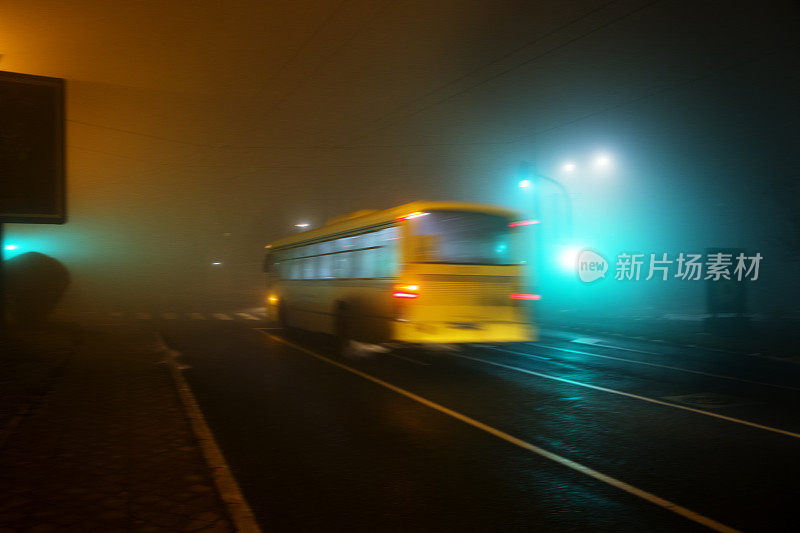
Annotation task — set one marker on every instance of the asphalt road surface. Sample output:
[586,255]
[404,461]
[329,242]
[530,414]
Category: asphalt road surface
[565,434]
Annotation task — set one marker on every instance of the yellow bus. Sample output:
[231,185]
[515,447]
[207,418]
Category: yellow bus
[424,272]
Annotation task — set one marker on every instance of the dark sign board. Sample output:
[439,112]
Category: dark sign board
[32,185]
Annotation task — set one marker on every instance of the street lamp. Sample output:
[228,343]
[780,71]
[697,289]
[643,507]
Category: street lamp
[568,258]
[602,161]
[301,225]
[534,180]
[569,166]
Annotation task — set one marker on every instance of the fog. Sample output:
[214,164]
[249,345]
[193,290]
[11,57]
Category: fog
[199,132]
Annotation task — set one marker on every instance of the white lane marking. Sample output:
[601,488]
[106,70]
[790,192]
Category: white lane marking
[220,316]
[630,489]
[170,316]
[679,369]
[247,316]
[196,316]
[586,340]
[543,358]
[635,396]
[409,359]
[599,344]
[143,316]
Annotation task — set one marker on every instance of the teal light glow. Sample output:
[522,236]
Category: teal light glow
[568,258]
[13,249]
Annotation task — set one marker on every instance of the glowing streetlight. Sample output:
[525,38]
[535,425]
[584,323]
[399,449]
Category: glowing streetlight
[302,225]
[10,247]
[569,166]
[568,258]
[602,161]
[524,184]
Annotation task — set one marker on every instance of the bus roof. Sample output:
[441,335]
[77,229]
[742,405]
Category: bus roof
[365,218]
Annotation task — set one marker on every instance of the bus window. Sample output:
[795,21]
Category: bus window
[325,267]
[294,269]
[341,267]
[365,263]
[458,237]
[387,254]
[308,267]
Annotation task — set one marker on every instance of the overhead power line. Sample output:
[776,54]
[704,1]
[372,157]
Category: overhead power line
[490,63]
[519,65]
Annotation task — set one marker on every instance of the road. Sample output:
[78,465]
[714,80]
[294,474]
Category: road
[566,434]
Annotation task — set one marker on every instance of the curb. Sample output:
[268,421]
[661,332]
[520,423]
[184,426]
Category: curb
[231,495]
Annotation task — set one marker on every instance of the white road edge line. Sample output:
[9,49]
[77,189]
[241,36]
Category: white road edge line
[635,396]
[228,488]
[630,489]
[600,344]
[542,357]
[721,376]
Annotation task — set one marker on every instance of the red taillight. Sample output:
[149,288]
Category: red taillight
[526,296]
[410,295]
[406,291]
[522,223]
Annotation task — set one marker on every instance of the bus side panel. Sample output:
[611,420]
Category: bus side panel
[366,307]
[312,305]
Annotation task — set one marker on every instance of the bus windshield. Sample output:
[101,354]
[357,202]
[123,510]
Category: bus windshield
[462,237]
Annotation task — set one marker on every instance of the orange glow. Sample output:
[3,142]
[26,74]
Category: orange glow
[415,214]
[406,291]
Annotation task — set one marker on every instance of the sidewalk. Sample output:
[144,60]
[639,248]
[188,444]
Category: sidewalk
[106,448]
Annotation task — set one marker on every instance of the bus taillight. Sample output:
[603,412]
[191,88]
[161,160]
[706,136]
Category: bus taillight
[406,291]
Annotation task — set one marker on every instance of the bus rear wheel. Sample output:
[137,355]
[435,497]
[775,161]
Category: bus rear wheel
[283,319]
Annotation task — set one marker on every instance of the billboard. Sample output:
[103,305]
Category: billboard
[32,182]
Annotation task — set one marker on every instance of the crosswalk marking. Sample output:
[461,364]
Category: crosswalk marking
[251,315]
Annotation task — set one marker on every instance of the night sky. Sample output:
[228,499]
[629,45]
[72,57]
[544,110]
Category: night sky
[200,131]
